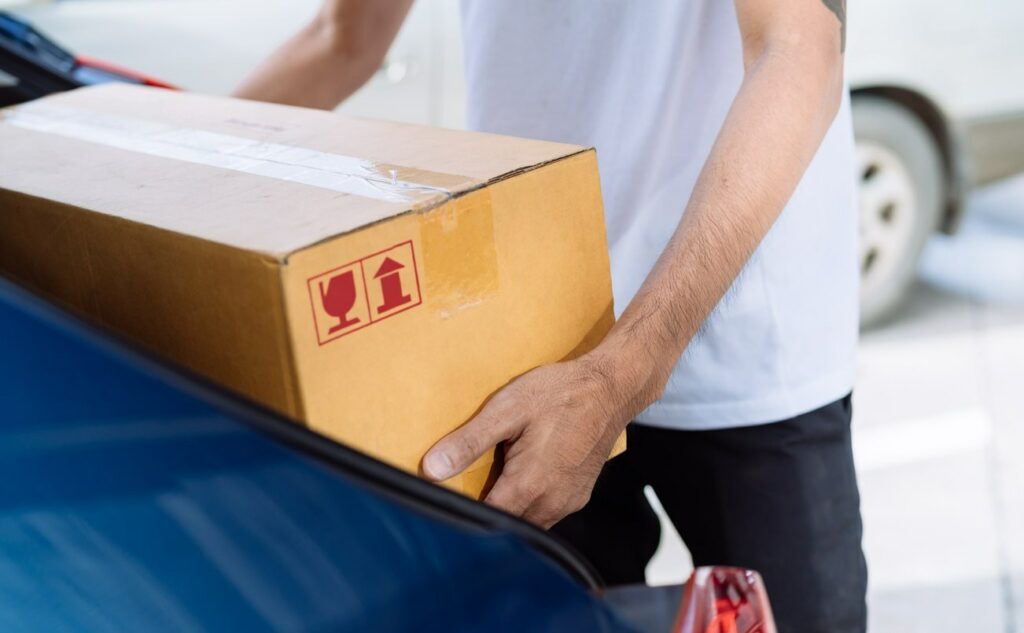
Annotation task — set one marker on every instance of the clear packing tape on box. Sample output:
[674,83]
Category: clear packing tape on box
[335,172]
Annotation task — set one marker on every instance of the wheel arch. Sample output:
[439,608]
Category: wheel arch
[946,136]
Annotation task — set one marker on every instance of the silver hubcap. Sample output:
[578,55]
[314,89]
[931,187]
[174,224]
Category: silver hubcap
[887,209]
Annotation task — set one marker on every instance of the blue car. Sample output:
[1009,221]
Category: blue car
[134,497]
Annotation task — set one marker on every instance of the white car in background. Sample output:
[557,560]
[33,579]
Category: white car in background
[937,93]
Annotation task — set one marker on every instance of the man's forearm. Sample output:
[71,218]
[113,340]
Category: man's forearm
[779,117]
[331,57]
[308,70]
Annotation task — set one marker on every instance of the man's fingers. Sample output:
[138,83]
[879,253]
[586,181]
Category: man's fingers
[535,498]
[463,446]
[525,500]
[510,495]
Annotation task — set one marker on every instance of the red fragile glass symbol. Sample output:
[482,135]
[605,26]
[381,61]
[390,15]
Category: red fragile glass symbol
[339,298]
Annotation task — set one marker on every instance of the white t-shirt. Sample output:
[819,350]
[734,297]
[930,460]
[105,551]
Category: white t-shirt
[649,85]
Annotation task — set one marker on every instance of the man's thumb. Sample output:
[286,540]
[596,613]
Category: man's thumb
[463,446]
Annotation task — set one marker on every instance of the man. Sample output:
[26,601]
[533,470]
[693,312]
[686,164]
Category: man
[724,138]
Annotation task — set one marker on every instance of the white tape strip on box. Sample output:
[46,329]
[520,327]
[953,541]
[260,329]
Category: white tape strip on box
[337,172]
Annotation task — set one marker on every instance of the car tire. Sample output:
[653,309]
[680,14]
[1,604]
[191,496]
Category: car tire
[900,172]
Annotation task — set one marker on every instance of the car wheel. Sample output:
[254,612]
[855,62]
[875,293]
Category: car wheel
[900,171]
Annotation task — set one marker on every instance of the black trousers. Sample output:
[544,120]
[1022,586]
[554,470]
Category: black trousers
[779,498]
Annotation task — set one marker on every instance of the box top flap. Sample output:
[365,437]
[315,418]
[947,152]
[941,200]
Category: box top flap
[257,176]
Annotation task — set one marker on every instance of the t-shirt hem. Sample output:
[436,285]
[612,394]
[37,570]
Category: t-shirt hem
[790,403]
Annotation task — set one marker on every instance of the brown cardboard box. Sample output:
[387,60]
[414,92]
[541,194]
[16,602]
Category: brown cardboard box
[377,281]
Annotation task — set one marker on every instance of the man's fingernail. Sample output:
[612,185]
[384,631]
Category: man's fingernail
[438,465]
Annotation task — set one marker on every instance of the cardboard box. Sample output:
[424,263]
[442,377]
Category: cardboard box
[377,281]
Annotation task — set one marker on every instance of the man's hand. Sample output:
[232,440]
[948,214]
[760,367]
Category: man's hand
[558,424]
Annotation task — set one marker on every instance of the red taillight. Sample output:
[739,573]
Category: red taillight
[724,600]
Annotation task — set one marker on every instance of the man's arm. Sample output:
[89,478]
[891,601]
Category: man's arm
[560,421]
[331,57]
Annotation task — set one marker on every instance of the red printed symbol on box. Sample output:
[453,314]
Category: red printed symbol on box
[350,297]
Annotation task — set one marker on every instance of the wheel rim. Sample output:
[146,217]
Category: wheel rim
[888,209]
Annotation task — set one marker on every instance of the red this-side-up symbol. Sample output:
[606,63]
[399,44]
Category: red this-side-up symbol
[390,278]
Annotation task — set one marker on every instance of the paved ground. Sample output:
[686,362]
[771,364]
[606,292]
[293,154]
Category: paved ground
[939,437]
